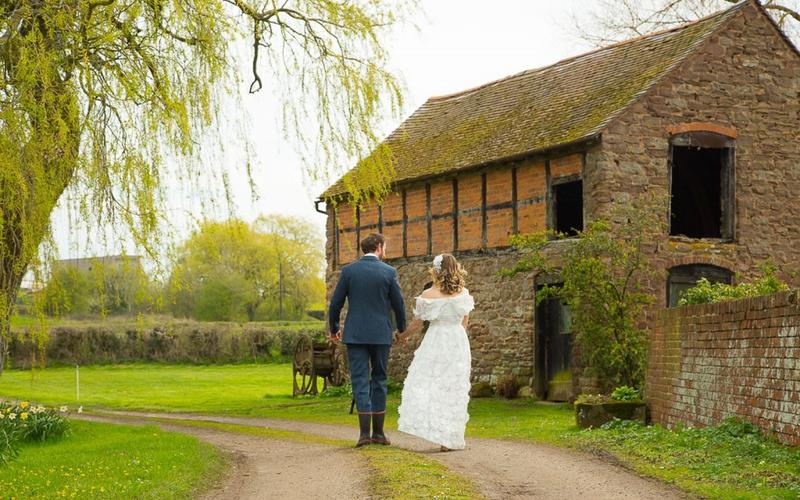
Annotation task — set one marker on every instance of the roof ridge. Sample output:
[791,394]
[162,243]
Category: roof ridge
[591,52]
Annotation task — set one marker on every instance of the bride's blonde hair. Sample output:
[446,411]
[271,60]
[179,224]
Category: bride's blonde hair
[449,277]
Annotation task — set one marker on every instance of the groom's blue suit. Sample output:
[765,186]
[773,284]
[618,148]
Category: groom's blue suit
[372,292]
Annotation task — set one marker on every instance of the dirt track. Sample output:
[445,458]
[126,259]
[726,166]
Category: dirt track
[502,469]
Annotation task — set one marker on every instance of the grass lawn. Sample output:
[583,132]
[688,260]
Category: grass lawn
[711,463]
[112,461]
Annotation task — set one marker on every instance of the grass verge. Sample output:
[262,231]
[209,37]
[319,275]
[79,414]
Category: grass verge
[112,461]
[740,467]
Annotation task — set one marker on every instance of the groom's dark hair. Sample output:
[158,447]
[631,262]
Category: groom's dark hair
[371,242]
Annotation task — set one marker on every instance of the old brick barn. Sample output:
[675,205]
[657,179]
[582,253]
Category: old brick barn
[708,113]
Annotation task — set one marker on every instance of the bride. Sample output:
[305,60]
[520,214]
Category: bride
[436,390]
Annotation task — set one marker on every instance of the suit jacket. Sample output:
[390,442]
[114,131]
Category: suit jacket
[372,292]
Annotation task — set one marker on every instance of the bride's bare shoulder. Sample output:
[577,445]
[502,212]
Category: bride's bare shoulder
[431,293]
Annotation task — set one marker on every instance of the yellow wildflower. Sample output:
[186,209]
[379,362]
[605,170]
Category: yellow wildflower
[23,415]
[24,405]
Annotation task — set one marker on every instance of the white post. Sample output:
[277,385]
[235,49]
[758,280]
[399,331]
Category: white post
[78,383]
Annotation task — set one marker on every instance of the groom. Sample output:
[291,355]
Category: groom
[371,290]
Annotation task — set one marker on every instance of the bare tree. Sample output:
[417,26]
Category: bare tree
[613,20]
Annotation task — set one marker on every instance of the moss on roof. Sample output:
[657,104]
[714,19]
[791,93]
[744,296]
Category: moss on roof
[535,110]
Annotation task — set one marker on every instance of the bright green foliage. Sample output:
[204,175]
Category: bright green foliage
[96,95]
[232,271]
[100,291]
[603,274]
[706,292]
[105,461]
[625,393]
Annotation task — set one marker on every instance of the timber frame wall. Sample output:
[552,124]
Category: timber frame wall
[454,213]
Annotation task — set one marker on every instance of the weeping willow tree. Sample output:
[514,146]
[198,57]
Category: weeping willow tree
[95,94]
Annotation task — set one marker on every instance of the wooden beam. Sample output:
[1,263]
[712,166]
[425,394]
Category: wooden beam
[455,214]
[514,207]
[484,218]
[405,226]
[428,219]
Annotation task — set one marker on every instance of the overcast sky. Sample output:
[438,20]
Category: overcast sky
[458,44]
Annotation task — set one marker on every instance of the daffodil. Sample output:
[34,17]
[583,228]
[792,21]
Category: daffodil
[2,416]
[23,415]
[12,416]
[63,409]
[24,404]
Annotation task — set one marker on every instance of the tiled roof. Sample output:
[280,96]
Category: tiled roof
[537,110]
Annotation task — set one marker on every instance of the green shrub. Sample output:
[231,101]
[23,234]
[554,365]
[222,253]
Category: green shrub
[625,393]
[164,341]
[508,386]
[481,390]
[592,399]
[23,422]
[706,292]
[344,390]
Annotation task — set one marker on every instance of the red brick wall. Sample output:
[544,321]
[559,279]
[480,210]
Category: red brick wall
[346,221]
[566,166]
[741,358]
[442,217]
[531,197]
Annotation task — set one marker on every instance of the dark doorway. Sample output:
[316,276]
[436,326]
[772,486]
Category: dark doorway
[553,349]
[568,207]
[684,277]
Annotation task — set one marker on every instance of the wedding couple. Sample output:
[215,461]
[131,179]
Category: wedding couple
[436,389]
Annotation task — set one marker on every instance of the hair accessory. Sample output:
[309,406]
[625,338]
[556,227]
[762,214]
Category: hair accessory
[437,263]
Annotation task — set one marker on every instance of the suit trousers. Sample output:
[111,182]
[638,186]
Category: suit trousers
[368,363]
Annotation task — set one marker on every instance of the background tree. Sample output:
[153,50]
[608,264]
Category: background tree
[603,276]
[94,94]
[609,21]
[230,271]
[99,291]
[296,250]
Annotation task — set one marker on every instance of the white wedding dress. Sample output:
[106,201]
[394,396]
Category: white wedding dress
[436,389]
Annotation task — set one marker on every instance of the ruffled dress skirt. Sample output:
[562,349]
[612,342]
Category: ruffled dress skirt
[436,390]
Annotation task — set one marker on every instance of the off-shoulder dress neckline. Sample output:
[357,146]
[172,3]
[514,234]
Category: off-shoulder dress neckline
[454,296]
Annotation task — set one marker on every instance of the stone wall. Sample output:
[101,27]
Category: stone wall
[744,79]
[741,358]
[501,329]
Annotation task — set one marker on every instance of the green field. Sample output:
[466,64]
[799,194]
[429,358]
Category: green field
[713,462]
[112,461]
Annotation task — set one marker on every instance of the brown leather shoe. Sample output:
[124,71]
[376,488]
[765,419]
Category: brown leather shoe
[363,441]
[381,440]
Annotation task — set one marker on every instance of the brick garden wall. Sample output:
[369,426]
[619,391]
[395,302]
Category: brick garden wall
[741,358]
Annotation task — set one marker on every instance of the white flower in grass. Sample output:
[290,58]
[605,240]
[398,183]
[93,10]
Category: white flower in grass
[63,409]
[80,409]
[12,416]
[2,416]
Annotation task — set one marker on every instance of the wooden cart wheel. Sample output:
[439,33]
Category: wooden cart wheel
[338,375]
[303,366]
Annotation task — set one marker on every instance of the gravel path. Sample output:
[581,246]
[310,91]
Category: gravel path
[502,469]
[271,468]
